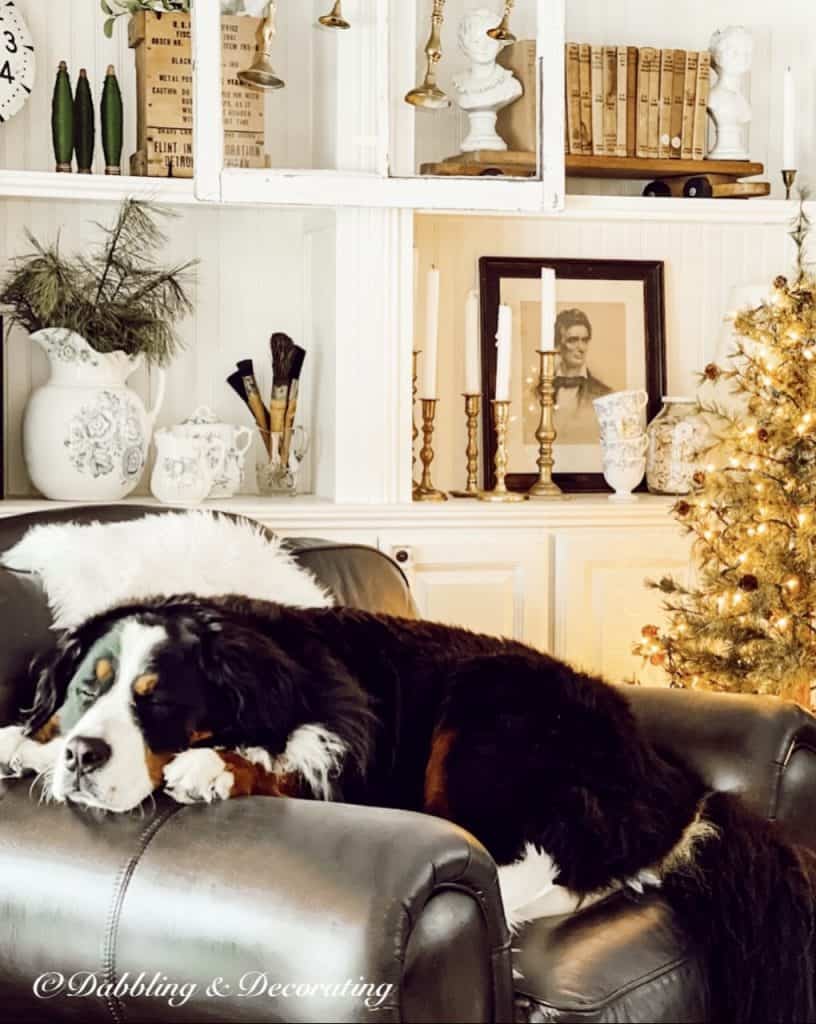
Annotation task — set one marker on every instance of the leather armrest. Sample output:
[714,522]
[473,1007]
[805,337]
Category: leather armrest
[761,747]
[269,891]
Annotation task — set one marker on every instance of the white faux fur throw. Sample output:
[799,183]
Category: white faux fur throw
[87,569]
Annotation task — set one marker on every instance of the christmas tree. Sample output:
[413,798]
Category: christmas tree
[747,621]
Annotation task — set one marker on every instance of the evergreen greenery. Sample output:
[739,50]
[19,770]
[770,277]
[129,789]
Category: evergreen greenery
[114,296]
[747,621]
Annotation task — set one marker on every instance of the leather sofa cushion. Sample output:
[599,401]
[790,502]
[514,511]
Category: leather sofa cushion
[619,960]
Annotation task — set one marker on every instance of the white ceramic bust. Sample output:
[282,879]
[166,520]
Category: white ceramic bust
[485,87]
[732,51]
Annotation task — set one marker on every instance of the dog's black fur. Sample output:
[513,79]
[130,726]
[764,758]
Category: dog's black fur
[538,753]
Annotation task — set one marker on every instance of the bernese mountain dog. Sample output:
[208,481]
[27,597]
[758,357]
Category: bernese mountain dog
[214,699]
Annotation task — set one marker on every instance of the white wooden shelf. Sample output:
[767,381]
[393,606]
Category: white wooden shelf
[708,211]
[311,513]
[94,187]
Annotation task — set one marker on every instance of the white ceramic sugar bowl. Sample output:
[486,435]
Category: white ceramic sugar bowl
[226,446]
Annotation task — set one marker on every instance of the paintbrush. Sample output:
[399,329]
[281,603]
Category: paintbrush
[253,398]
[283,350]
[291,402]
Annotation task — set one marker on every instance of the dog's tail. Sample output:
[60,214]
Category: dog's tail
[747,898]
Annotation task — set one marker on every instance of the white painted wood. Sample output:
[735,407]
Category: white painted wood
[602,602]
[341,189]
[95,187]
[208,131]
[501,588]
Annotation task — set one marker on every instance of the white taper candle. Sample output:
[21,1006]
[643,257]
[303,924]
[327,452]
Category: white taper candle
[504,341]
[789,123]
[547,343]
[473,385]
[431,340]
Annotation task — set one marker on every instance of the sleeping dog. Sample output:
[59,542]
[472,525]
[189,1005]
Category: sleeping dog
[223,698]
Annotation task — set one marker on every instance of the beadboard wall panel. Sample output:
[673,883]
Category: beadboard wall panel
[703,263]
[255,277]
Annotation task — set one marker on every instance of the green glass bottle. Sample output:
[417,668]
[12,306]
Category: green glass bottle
[84,130]
[62,120]
[111,119]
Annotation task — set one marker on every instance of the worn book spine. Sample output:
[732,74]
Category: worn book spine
[654,105]
[664,116]
[631,100]
[610,100]
[645,56]
[700,143]
[677,100]
[597,80]
[584,55]
[622,100]
[689,97]
[573,99]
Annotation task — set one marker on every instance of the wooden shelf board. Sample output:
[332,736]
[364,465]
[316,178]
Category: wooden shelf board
[637,169]
[94,187]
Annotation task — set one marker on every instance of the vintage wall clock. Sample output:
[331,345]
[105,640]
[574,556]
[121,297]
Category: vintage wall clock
[17,62]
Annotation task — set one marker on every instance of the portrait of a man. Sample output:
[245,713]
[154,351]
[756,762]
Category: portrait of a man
[575,384]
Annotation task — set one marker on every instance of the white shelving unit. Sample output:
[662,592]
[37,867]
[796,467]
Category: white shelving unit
[325,246]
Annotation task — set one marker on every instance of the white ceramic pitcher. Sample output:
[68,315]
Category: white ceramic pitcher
[86,434]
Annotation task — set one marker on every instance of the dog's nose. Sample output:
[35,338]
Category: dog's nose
[86,754]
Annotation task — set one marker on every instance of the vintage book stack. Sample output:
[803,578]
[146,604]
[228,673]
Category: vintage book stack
[625,101]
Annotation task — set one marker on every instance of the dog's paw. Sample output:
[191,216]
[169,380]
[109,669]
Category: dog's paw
[198,776]
[12,742]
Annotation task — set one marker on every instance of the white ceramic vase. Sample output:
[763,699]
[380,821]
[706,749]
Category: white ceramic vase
[86,434]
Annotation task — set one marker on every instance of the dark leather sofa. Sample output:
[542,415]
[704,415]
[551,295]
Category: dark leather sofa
[294,893]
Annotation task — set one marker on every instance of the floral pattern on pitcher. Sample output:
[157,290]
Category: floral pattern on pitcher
[63,347]
[107,437]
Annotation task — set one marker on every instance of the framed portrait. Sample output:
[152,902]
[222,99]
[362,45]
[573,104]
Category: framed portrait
[609,336]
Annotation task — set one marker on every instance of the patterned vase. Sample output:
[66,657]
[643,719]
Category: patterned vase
[86,434]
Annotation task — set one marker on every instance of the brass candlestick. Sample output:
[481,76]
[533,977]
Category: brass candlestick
[501,416]
[429,96]
[426,490]
[502,30]
[473,404]
[262,75]
[334,19]
[546,434]
[788,177]
[415,429]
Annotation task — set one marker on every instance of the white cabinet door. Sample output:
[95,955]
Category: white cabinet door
[495,584]
[601,601]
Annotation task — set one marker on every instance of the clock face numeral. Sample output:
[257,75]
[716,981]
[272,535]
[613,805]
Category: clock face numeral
[17,60]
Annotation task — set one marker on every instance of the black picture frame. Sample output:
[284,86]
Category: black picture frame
[493,270]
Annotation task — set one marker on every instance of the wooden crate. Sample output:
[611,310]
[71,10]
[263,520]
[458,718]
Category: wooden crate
[164,90]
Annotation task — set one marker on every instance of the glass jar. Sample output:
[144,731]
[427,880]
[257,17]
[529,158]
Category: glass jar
[677,440]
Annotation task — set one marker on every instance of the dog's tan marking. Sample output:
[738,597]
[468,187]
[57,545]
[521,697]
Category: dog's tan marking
[155,766]
[145,684]
[436,775]
[48,731]
[254,780]
[200,736]
[103,669]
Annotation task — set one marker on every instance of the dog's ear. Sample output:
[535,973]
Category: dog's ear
[51,673]
[258,691]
